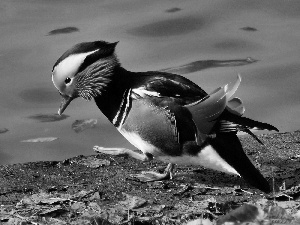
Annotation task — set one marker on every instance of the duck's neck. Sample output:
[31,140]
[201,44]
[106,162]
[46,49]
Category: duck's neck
[110,100]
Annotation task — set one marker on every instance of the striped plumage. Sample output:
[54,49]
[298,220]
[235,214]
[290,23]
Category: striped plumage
[164,115]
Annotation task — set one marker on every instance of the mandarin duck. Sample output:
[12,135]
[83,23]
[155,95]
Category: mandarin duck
[165,116]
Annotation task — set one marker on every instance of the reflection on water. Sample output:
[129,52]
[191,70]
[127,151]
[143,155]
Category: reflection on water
[205,64]
[172,10]
[3,130]
[169,27]
[248,29]
[48,117]
[185,37]
[64,30]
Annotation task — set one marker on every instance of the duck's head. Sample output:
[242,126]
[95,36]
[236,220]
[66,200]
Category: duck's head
[84,71]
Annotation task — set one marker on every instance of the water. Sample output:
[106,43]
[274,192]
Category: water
[153,35]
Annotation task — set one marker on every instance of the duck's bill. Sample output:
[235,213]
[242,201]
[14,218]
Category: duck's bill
[64,103]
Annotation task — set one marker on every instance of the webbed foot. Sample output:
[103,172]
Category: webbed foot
[149,176]
[145,176]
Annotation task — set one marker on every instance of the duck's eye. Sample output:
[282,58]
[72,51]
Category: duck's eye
[67,80]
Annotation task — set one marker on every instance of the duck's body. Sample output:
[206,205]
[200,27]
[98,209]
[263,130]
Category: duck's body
[137,105]
[166,116]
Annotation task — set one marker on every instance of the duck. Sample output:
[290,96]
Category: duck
[166,116]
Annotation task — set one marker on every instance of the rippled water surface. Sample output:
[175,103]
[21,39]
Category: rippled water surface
[209,42]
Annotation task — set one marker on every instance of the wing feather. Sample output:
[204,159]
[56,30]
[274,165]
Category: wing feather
[206,111]
[169,85]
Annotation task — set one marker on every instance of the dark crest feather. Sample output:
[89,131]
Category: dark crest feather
[104,48]
[104,51]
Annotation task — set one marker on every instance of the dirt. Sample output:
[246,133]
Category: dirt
[99,189]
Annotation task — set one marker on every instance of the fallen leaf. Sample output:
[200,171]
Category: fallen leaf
[99,221]
[94,206]
[262,203]
[132,202]
[93,162]
[41,139]
[41,198]
[297,215]
[78,206]
[93,210]
[15,221]
[4,215]
[280,197]
[239,190]
[245,213]
[287,205]
[184,189]
[157,208]
[277,212]
[95,196]
[293,192]
[108,216]
[52,201]
[50,220]
[81,222]
[82,194]
[81,125]
[200,222]
[199,206]
[53,212]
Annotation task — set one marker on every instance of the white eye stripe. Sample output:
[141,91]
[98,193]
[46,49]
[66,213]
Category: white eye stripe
[69,66]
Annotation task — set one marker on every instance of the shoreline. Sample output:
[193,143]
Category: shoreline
[105,180]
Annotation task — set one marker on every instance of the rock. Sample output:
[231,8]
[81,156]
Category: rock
[245,213]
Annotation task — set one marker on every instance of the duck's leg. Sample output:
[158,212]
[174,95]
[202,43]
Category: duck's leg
[145,176]
[122,152]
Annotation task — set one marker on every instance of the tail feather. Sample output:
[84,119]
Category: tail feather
[235,106]
[230,149]
[253,135]
[230,122]
[246,122]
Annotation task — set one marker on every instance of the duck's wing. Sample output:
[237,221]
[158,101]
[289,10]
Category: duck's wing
[206,111]
[169,93]
[159,84]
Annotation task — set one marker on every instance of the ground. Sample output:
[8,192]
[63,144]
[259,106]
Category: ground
[98,189]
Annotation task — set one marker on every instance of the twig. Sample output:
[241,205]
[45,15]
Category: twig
[273,185]
[248,192]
